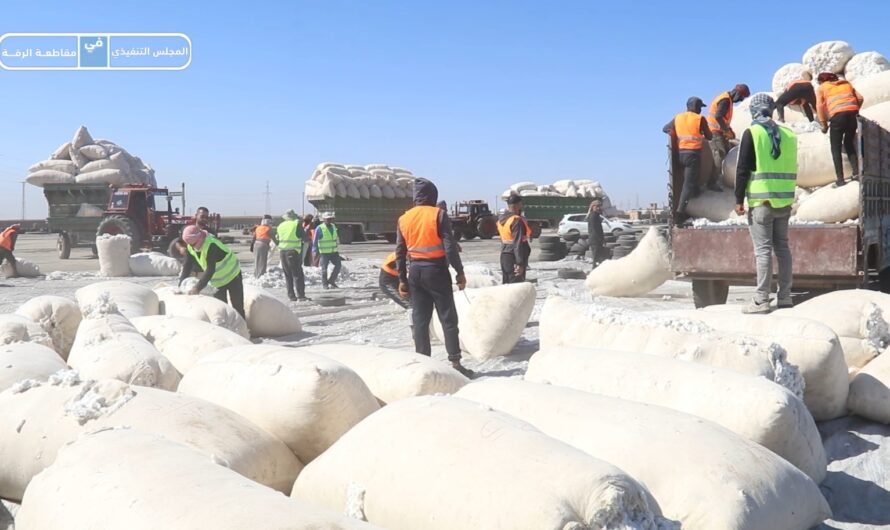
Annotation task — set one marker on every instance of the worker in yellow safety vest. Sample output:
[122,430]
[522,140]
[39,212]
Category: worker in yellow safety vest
[326,245]
[219,263]
[291,237]
[515,234]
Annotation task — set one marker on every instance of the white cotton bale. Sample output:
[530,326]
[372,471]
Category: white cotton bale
[491,318]
[23,268]
[641,271]
[17,328]
[730,164]
[267,316]
[154,264]
[326,165]
[352,191]
[341,190]
[81,138]
[751,407]
[712,205]
[369,167]
[387,192]
[787,74]
[132,300]
[122,481]
[870,390]
[477,281]
[375,191]
[565,323]
[874,89]
[183,341]
[49,176]
[27,360]
[59,317]
[40,418]
[810,345]
[879,113]
[414,453]
[75,156]
[108,346]
[828,56]
[864,65]
[399,191]
[61,153]
[305,400]
[364,191]
[114,255]
[115,161]
[394,374]
[65,166]
[94,152]
[659,446]
[202,307]
[113,177]
[831,204]
[814,165]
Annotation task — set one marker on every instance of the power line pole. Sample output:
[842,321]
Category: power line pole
[268,199]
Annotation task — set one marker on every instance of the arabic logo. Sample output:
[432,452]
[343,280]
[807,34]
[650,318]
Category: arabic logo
[91,47]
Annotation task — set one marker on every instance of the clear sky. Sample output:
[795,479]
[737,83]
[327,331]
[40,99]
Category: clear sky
[475,95]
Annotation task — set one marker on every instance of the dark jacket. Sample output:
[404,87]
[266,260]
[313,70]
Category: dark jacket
[803,91]
[595,235]
[747,164]
[426,194]
[215,255]
[520,249]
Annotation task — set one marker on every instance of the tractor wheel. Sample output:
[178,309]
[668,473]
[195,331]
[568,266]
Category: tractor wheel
[486,227]
[121,225]
[64,245]
[94,250]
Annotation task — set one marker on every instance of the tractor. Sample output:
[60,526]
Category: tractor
[470,219]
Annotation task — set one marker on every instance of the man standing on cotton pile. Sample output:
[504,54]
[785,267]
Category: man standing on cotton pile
[690,129]
[220,265]
[838,103]
[800,92]
[766,176]
[7,245]
[719,119]
[515,249]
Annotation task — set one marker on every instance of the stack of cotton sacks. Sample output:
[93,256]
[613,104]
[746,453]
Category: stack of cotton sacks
[560,188]
[374,181]
[87,161]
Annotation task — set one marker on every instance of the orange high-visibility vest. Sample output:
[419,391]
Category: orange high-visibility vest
[838,96]
[687,125]
[419,227]
[791,85]
[263,233]
[505,228]
[712,112]
[389,265]
[6,238]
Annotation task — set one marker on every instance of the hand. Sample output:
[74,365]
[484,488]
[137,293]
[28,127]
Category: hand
[730,134]
[824,128]
[740,209]
[518,270]
[194,290]
[461,281]
[403,291]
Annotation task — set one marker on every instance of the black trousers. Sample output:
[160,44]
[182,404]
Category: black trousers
[389,285]
[508,264]
[430,287]
[842,131]
[292,263]
[6,254]
[233,292]
[690,161]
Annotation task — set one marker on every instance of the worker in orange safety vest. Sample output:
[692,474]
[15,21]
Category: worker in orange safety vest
[838,104]
[515,234]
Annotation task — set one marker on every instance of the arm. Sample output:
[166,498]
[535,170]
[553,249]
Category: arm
[720,115]
[401,256]
[821,108]
[187,267]
[15,237]
[669,128]
[452,254]
[704,129]
[747,164]
[517,231]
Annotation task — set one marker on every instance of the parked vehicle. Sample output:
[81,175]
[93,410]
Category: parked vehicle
[471,219]
[577,223]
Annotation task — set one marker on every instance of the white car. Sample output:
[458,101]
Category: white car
[577,223]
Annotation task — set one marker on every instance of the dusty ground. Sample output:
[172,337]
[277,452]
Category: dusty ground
[858,483]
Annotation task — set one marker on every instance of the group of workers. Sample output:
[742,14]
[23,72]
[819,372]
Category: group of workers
[766,171]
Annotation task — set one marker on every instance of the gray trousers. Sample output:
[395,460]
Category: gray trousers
[326,259]
[260,257]
[769,233]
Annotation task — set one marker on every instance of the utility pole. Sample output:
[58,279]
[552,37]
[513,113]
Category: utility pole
[268,199]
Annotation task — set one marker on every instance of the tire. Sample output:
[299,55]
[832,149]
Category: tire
[547,245]
[578,248]
[536,230]
[486,227]
[458,232]
[346,235]
[122,225]
[545,255]
[572,236]
[709,292]
[571,274]
[616,231]
[549,239]
[64,245]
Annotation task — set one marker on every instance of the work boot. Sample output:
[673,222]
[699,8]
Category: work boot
[756,307]
[334,285]
[785,304]
[292,298]
[840,182]
[466,372]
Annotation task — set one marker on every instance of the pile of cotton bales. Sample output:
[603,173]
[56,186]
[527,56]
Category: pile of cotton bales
[373,181]
[560,188]
[83,160]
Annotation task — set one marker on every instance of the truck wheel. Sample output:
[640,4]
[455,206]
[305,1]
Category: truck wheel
[121,225]
[94,250]
[64,245]
[709,292]
[486,227]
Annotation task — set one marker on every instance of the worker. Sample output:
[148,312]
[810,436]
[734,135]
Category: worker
[291,238]
[263,236]
[220,265]
[719,121]
[766,177]
[327,247]
[389,281]
[202,220]
[799,92]
[837,104]
[7,245]
[424,236]
[309,258]
[690,129]
[515,249]
[596,239]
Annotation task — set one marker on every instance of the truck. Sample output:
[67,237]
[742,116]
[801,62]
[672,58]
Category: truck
[825,256]
[543,211]
[364,219]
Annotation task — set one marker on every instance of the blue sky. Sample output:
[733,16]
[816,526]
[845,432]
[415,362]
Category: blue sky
[472,94]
